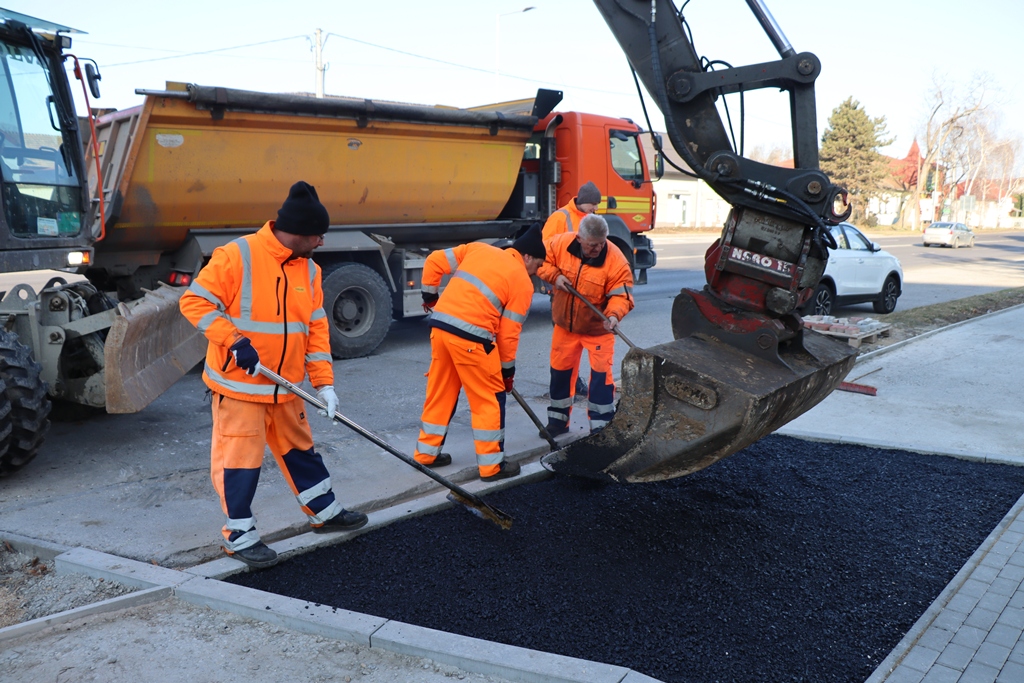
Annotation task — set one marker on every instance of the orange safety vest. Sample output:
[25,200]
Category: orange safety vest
[606,281]
[253,288]
[565,219]
[487,299]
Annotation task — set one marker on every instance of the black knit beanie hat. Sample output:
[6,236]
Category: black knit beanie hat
[530,242]
[588,194]
[302,213]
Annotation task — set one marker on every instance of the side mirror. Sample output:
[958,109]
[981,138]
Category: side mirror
[875,247]
[659,165]
[93,77]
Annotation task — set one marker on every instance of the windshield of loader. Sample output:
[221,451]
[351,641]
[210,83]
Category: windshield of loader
[41,191]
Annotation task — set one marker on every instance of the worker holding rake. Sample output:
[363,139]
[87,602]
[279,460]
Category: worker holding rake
[259,300]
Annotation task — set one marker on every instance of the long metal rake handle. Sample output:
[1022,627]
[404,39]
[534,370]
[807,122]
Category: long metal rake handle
[600,314]
[500,518]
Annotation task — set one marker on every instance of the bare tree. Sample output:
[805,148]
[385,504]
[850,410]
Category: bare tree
[950,109]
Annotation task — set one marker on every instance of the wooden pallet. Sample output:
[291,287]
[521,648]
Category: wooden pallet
[855,340]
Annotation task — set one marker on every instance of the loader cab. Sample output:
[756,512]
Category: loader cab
[42,187]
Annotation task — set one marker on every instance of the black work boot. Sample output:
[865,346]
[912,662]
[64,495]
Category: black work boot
[346,520]
[257,556]
[507,471]
[557,429]
[441,460]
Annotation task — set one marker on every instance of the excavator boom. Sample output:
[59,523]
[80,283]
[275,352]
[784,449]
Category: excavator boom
[741,365]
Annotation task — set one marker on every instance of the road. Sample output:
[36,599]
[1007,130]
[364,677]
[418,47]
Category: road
[933,274]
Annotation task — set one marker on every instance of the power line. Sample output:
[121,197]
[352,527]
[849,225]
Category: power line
[204,52]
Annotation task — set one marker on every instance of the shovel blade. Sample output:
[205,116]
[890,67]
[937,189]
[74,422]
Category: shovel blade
[688,403]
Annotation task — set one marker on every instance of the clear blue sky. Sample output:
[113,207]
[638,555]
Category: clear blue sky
[884,53]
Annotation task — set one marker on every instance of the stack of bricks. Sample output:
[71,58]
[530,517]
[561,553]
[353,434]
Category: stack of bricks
[852,326]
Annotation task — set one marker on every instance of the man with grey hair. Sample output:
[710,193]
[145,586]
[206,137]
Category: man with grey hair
[601,274]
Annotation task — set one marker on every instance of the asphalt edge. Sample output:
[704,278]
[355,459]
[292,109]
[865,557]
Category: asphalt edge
[902,649]
[201,585]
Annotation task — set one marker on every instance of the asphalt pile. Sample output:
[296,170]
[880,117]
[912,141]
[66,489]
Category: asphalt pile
[791,560]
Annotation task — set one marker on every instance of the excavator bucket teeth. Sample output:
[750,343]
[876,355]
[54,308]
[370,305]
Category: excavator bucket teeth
[691,402]
[141,365]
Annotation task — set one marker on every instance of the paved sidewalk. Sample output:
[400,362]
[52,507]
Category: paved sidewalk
[956,392]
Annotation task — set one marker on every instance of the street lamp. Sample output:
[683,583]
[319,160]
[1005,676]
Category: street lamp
[497,36]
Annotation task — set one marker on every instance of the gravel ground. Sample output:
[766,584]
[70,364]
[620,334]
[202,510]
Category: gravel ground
[174,642]
[788,561]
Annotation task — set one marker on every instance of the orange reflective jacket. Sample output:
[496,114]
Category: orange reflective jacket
[487,299]
[253,288]
[565,219]
[606,281]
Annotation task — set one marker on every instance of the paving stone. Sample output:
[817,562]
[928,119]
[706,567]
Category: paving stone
[1004,586]
[950,620]
[1012,616]
[963,603]
[979,673]
[973,587]
[956,656]
[993,602]
[904,674]
[920,658]
[970,636]
[1013,573]
[1004,635]
[1017,559]
[992,655]
[1018,599]
[1005,547]
[986,573]
[941,674]
[935,638]
[1013,536]
[1012,672]
[982,618]
[1017,653]
[992,561]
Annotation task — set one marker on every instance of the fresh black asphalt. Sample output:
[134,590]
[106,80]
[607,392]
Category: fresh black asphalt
[789,561]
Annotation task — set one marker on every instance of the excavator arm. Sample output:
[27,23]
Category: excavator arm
[741,364]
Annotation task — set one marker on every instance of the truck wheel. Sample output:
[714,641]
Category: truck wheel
[29,404]
[358,306]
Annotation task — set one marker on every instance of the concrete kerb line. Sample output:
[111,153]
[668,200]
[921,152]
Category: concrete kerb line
[201,585]
[919,628]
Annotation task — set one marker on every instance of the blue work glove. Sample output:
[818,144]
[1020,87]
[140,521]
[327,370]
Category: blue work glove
[330,398]
[246,356]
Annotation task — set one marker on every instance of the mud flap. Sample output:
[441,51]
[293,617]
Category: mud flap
[688,403]
[150,346]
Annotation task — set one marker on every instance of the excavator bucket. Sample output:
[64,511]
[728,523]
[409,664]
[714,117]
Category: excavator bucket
[691,402]
[141,365]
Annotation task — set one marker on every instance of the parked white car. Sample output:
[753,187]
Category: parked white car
[953,235]
[858,271]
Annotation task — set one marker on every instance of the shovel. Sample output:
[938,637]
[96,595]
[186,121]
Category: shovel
[458,494]
[533,416]
[599,314]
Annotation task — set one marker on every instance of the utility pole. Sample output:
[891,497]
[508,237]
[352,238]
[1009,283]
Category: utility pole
[319,51]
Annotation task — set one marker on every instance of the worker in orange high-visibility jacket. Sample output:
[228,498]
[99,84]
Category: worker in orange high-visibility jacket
[567,218]
[599,272]
[259,300]
[476,323]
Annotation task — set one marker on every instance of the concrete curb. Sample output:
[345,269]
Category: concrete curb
[44,550]
[919,628]
[825,437]
[929,333]
[200,585]
[112,605]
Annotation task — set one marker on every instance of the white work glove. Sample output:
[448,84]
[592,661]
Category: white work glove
[330,398]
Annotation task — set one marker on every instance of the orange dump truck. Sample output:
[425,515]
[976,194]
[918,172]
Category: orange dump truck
[194,167]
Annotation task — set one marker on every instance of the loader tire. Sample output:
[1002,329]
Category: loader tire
[358,306]
[25,393]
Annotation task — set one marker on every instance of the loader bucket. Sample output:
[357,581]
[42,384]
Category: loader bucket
[688,403]
[149,347]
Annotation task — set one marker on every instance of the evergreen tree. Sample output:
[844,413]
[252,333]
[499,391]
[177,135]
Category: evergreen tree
[849,152]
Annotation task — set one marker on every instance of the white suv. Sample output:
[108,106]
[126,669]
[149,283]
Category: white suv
[858,271]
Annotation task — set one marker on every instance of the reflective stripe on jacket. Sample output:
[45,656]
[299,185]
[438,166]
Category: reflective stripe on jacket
[606,281]
[487,298]
[565,219]
[253,288]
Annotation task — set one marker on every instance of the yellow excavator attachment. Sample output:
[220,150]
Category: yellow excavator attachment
[149,347]
[691,402]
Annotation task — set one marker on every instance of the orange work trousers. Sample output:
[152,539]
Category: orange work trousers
[460,364]
[566,351]
[241,432]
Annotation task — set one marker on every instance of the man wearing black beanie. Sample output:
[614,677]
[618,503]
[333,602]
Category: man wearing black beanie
[259,300]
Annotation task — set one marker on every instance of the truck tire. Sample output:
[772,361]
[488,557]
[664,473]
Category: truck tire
[29,405]
[358,306]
